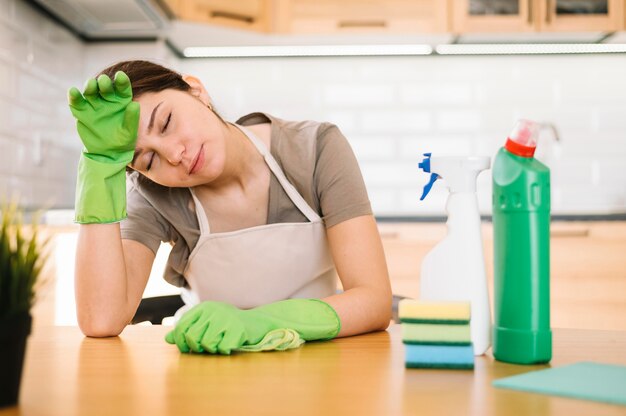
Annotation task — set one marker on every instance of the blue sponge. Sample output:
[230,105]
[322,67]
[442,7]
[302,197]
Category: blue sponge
[439,356]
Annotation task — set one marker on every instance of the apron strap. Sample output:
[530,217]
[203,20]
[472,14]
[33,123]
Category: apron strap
[291,191]
[203,220]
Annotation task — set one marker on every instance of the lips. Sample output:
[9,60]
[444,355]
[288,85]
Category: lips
[198,161]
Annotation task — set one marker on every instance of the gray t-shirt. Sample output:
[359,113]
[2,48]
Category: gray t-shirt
[316,159]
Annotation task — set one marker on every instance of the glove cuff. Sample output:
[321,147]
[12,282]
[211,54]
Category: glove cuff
[331,317]
[100,191]
[313,319]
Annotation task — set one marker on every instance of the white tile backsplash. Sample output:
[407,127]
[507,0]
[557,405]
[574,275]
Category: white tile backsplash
[461,121]
[429,93]
[338,95]
[396,121]
[39,61]
[373,148]
[412,148]
[384,200]
[391,109]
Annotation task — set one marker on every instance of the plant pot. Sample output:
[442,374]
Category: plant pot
[14,331]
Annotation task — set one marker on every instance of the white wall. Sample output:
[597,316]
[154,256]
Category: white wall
[39,61]
[38,148]
[392,109]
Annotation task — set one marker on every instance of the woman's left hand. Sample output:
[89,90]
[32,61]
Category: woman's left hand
[219,328]
[209,327]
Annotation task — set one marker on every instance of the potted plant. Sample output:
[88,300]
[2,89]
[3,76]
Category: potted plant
[21,259]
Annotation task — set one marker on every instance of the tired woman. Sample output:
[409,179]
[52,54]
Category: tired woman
[262,214]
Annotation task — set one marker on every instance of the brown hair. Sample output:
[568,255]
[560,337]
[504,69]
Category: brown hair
[147,77]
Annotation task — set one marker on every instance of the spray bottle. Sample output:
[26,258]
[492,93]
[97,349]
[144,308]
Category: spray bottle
[521,250]
[454,270]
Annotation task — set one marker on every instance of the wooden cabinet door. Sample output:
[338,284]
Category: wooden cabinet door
[361,16]
[241,14]
[580,15]
[505,16]
[588,275]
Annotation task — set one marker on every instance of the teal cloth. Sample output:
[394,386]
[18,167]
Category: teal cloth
[585,380]
[276,340]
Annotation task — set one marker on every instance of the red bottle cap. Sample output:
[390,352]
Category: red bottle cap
[523,139]
[519,149]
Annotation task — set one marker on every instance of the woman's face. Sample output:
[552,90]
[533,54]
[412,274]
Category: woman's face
[180,142]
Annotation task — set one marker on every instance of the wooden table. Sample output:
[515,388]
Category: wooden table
[139,374]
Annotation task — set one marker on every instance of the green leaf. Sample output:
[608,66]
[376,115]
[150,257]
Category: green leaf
[22,257]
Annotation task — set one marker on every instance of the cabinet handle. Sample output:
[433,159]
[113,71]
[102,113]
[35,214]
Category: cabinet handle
[361,23]
[232,16]
[530,12]
[548,10]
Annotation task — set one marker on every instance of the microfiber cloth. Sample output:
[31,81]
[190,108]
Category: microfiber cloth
[585,380]
[439,356]
[276,340]
[418,311]
[436,334]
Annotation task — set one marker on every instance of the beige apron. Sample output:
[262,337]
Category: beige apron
[261,264]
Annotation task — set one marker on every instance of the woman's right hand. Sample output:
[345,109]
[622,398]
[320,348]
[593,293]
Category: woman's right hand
[107,118]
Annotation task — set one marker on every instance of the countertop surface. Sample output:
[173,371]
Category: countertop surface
[138,373]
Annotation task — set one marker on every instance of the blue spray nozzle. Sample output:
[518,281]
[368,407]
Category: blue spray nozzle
[425,166]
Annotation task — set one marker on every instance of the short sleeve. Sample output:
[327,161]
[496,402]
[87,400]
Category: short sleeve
[338,180]
[144,223]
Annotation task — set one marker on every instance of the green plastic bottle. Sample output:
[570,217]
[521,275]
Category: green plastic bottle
[521,243]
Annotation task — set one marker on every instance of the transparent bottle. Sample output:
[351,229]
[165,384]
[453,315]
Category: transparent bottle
[521,243]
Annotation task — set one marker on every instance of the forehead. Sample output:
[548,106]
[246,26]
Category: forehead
[149,101]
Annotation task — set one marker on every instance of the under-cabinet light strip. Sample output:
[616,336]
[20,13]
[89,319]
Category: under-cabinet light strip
[305,50]
[531,49]
[394,50]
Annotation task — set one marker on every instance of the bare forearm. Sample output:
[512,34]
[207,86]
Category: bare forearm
[361,310]
[100,280]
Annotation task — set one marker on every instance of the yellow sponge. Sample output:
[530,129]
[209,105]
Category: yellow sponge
[419,311]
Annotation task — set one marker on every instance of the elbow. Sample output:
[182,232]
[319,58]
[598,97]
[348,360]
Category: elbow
[388,318]
[100,328]
[385,318]
[385,312]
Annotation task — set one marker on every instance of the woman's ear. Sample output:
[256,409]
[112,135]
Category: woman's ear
[198,90]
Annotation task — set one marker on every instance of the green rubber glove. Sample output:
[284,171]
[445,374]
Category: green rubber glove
[216,327]
[107,121]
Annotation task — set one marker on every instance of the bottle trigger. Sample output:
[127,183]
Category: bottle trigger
[429,185]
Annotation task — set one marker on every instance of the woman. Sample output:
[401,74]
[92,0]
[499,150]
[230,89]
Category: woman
[262,215]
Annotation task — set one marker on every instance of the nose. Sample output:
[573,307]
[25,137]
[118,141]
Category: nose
[174,153]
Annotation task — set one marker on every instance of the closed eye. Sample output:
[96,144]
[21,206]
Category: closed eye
[150,163]
[167,122]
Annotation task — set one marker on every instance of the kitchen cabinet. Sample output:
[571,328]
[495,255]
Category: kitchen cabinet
[253,15]
[588,267]
[322,17]
[536,15]
[577,15]
[493,16]
[360,16]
